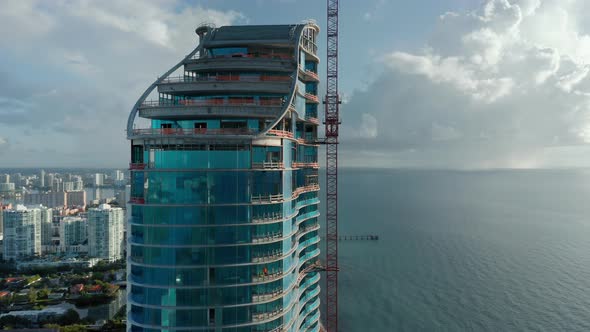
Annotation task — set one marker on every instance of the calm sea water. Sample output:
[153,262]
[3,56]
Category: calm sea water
[465,251]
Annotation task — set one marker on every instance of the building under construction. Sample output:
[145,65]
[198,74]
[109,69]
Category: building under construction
[224,193]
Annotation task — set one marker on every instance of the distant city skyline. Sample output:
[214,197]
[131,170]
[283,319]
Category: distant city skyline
[426,84]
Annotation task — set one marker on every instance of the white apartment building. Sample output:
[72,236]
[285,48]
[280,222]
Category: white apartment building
[106,227]
[22,232]
[73,232]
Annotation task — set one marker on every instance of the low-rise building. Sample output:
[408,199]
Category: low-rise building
[37,315]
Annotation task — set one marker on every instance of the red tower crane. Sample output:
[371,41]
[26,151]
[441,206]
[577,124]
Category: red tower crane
[332,122]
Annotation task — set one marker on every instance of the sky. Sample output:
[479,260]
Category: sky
[454,84]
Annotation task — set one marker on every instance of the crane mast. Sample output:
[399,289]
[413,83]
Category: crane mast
[332,123]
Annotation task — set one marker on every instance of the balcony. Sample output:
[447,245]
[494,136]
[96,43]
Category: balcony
[187,85]
[316,266]
[303,217]
[256,317]
[267,277]
[196,132]
[304,230]
[267,238]
[257,55]
[306,189]
[265,297]
[240,61]
[203,108]
[311,98]
[308,139]
[311,294]
[267,257]
[264,199]
[308,75]
[227,78]
[267,218]
[312,119]
[314,165]
[268,165]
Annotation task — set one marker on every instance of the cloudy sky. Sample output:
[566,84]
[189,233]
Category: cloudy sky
[465,84]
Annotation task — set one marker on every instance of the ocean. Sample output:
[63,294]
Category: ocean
[465,251]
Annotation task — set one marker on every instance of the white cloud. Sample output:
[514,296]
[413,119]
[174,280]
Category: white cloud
[86,64]
[509,84]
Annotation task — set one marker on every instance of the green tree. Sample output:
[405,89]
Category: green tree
[43,293]
[32,295]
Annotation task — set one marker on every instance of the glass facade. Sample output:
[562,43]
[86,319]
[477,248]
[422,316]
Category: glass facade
[224,188]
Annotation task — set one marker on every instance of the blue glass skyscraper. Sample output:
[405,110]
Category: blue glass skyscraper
[224,188]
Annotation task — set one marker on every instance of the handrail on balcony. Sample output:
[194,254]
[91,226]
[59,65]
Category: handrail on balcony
[137,200]
[134,166]
[266,315]
[267,277]
[213,102]
[308,228]
[307,140]
[309,73]
[278,56]
[306,164]
[267,217]
[275,78]
[267,237]
[281,133]
[267,165]
[305,189]
[259,297]
[228,77]
[192,131]
[312,119]
[315,266]
[263,257]
[312,97]
[267,198]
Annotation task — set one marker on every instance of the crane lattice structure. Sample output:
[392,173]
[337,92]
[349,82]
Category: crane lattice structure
[332,123]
